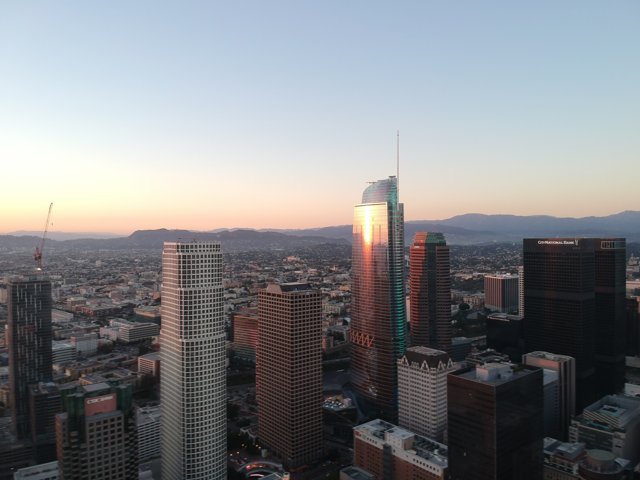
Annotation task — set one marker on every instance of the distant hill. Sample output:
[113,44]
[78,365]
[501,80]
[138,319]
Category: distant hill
[474,228]
[64,235]
[232,240]
[468,229]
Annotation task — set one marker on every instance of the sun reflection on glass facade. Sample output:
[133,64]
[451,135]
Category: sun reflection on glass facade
[378,295]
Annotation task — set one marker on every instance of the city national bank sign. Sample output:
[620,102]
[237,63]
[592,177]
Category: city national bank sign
[573,243]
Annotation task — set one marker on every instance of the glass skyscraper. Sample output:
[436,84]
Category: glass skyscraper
[430,284]
[378,316]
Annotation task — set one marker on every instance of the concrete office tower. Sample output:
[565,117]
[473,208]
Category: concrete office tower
[566,368]
[430,297]
[193,380]
[501,293]
[96,434]
[389,452]
[29,340]
[495,422]
[521,291]
[574,297]
[289,372]
[422,391]
[378,310]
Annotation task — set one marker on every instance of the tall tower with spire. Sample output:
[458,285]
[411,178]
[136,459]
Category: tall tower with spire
[378,316]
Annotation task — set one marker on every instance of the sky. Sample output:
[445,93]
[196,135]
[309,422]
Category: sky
[211,114]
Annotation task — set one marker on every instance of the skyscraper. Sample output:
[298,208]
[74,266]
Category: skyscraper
[611,319]
[574,303]
[378,315]
[495,422]
[289,372]
[29,341]
[193,379]
[430,296]
[96,434]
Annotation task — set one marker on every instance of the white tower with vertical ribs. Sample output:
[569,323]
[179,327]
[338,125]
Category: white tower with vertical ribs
[193,377]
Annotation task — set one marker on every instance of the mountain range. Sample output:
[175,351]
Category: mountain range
[472,228]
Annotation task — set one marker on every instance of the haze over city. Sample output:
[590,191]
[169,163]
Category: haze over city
[207,115]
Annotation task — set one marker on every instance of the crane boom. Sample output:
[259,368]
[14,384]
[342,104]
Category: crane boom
[38,255]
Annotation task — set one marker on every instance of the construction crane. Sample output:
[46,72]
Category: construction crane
[38,255]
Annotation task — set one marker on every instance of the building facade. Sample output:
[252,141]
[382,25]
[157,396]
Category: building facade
[388,451]
[96,434]
[193,381]
[289,372]
[29,336]
[633,327]
[430,292]
[574,300]
[501,293]
[148,426]
[565,366]
[521,291]
[422,391]
[378,309]
[244,325]
[495,422]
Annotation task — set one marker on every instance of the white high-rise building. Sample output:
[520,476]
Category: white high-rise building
[193,380]
[422,391]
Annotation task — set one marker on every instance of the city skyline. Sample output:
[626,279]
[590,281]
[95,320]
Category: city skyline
[149,117]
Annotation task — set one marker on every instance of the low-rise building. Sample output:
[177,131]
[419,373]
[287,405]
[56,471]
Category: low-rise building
[43,471]
[62,352]
[611,424]
[85,345]
[149,364]
[388,451]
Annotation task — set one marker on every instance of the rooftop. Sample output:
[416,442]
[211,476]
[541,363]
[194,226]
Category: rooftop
[494,373]
[423,447]
[288,287]
[431,356]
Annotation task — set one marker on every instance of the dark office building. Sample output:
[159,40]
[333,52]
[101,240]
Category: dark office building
[611,319]
[96,434]
[44,403]
[495,422]
[574,303]
[29,341]
[505,333]
[633,327]
[430,297]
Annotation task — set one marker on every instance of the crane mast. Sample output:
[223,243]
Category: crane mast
[38,255]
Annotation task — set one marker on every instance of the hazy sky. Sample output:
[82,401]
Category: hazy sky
[148,114]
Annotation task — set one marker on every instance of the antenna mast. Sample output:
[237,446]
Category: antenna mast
[398,163]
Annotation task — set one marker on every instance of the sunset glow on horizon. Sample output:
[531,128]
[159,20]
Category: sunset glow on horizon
[204,116]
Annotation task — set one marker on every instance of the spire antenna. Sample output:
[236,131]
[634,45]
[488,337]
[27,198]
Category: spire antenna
[398,163]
